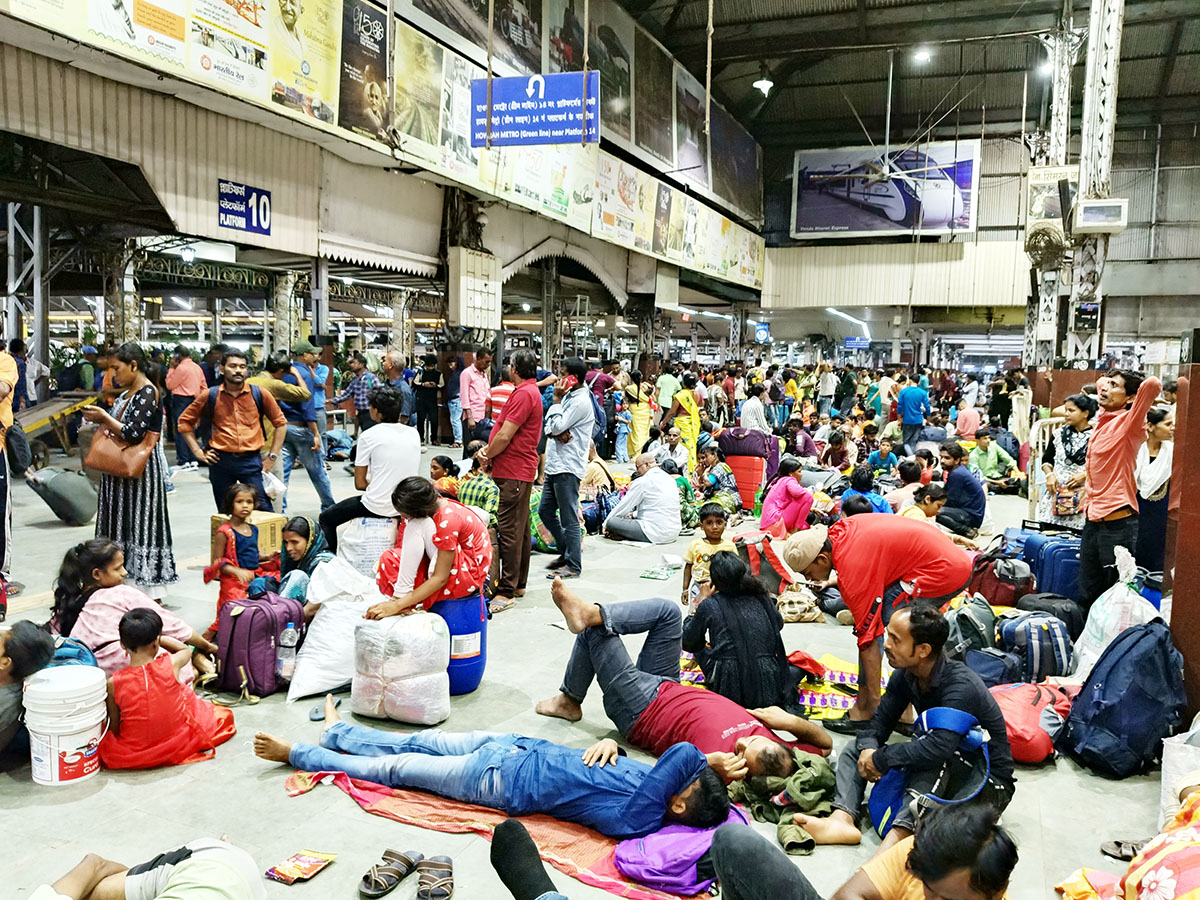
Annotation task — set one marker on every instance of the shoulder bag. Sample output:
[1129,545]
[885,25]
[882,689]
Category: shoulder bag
[113,456]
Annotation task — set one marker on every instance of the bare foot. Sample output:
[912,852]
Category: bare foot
[835,829]
[560,706]
[331,713]
[578,614]
[271,748]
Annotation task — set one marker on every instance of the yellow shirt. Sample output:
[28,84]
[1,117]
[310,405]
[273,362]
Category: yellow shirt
[8,373]
[889,873]
[914,512]
[700,553]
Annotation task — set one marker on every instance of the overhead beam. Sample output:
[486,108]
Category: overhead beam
[1164,83]
[936,22]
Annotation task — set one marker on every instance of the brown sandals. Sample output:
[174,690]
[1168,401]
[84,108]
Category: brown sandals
[435,878]
[383,877]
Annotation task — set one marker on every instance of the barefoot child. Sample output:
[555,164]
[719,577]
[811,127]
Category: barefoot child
[153,720]
[235,557]
[700,552]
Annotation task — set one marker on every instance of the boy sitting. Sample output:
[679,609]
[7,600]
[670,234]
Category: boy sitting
[153,720]
[883,461]
[24,649]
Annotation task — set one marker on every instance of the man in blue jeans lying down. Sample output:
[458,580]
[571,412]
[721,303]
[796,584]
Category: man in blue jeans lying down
[519,775]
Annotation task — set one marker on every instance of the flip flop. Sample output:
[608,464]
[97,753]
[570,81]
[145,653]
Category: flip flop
[317,713]
[1122,850]
[563,573]
[383,877]
[500,604]
[435,878]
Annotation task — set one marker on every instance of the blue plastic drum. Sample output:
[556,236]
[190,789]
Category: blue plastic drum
[467,621]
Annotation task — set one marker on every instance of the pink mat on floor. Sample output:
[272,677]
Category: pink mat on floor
[574,850]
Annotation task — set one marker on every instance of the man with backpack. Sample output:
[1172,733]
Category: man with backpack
[931,762]
[235,449]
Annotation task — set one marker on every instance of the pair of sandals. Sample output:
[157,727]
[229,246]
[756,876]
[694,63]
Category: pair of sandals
[435,876]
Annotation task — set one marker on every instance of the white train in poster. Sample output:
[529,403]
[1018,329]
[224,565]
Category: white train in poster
[911,188]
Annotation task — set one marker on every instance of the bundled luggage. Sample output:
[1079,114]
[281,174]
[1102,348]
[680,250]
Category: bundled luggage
[1132,700]
[1062,608]
[400,669]
[1000,577]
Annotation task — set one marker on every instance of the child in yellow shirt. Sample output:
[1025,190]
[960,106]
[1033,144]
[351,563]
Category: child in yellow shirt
[700,552]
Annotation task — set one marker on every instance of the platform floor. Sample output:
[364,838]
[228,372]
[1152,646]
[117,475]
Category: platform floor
[1059,816]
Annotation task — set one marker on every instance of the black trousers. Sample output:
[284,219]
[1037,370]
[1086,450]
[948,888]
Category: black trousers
[1097,560]
[427,417]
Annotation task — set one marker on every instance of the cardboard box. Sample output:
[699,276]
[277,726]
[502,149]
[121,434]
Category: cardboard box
[270,530]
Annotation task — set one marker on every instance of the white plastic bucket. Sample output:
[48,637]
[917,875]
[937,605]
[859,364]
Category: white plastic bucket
[66,715]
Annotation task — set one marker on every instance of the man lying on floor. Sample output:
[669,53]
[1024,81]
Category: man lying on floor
[650,707]
[519,775]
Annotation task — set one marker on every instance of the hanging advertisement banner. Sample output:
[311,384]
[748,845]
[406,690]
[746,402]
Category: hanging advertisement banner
[306,39]
[736,164]
[418,63]
[654,99]
[1044,221]
[517,33]
[458,156]
[854,192]
[157,30]
[227,47]
[362,102]
[610,50]
[540,109]
[691,143]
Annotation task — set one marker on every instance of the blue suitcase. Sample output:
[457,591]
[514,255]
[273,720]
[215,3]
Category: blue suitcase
[1057,570]
[1032,548]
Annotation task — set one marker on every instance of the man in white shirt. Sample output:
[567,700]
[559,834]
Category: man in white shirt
[387,454]
[649,511]
[673,448]
[971,390]
[754,414]
[826,387]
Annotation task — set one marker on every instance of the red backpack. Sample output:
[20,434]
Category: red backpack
[1034,716]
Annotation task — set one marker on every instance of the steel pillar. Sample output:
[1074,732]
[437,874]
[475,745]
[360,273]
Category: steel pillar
[282,332]
[1095,166]
[319,291]
[550,319]
[26,275]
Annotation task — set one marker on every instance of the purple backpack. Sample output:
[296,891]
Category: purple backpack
[248,633]
[668,858]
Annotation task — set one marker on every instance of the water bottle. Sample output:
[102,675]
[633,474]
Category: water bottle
[285,662]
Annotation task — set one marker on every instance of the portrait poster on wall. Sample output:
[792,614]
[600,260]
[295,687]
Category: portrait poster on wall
[362,103]
[306,39]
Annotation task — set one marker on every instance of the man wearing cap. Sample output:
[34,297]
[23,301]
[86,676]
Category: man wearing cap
[186,382]
[882,563]
[303,439]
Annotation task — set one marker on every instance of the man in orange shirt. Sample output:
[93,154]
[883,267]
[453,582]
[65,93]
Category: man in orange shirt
[1111,504]
[186,382]
[8,383]
[236,410]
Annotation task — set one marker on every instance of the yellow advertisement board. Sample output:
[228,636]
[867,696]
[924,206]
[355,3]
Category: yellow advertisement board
[305,47]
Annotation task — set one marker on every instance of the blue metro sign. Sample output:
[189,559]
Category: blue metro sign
[539,109]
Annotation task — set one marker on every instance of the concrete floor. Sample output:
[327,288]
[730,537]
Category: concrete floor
[1059,816]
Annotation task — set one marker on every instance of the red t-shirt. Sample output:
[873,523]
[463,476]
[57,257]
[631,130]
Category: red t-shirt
[703,718]
[872,552]
[519,460]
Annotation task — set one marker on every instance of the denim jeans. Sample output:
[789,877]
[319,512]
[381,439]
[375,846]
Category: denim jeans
[454,410]
[183,453]
[559,511]
[298,443]
[600,654]
[824,404]
[910,436]
[749,867]
[460,766]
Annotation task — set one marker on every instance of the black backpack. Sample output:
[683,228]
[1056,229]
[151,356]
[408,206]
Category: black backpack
[70,378]
[211,402]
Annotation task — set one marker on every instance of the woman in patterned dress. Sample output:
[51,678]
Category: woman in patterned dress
[1064,463]
[133,511]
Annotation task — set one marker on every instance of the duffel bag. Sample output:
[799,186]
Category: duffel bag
[1034,717]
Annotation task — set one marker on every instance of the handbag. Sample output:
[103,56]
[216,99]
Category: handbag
[1068,501]
[113,456]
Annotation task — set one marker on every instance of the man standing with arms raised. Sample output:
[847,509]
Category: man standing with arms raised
[513,455]
[1111,505]
[235,410]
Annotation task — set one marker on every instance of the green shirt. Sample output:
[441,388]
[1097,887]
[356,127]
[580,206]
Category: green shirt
[995,463]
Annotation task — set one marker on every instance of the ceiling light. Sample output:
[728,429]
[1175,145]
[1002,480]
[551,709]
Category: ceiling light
[1046,69]
[525,307]
[188,254]
[922,55]
[764,82]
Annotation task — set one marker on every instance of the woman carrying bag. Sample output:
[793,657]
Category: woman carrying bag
[132,506]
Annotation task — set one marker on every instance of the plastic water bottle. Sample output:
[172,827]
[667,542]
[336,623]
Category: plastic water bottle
[285,661]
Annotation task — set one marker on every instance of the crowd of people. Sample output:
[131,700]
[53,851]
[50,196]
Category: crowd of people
[876,482]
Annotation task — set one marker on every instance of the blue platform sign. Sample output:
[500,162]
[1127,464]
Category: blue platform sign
[539,109]
[242,207]
[762,333]
[858,343]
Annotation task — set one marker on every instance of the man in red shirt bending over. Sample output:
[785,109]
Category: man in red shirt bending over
[650,707]
[882,563]
[1111,504]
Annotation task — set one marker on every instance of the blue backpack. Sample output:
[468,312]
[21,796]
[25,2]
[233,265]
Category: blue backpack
[1133,698]
[71,652]
[890,793]
[600,428]
[1040,640]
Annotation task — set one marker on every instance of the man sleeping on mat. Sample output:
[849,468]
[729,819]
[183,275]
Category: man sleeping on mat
[649,706]
[519,775]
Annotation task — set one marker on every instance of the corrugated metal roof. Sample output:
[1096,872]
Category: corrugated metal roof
[732,12]
[1140,77]
[1146,40]
[1190,40]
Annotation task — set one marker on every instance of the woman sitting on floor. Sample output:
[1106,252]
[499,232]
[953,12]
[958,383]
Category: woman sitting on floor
[786,499]
[715,481]
[153,720]
[304,549]
[735,635]
[91,596]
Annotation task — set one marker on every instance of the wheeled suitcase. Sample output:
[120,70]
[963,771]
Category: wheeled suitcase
[69,494]
[1057,570]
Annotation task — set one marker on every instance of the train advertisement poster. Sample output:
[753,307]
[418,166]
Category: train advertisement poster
[736,166]
[228,46]
[306,37]
[416,115]
[157,30]
[851,192]
[610,49]
[691,143]
[362,104]
[516,35]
